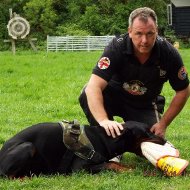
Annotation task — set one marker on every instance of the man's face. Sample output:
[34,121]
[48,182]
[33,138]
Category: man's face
[143,35]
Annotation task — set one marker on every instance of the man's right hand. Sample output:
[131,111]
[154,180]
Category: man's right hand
[112,128]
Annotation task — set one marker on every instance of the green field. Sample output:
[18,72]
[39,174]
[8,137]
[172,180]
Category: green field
[43,87]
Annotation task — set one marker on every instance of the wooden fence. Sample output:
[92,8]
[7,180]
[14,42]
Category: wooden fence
[76,43]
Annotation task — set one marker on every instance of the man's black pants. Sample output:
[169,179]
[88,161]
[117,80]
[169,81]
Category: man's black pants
[116,105]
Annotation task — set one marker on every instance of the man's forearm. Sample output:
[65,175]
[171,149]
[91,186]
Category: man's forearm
[96,104]
[175,106]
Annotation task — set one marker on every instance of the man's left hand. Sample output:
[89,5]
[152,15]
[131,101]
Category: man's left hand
[158,129]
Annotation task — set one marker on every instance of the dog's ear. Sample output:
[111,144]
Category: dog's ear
[108,166]
[117,167]
[15,158]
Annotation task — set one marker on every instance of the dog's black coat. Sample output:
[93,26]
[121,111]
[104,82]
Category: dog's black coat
[40,148]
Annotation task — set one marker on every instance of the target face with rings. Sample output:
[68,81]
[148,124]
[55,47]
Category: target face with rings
[18,27]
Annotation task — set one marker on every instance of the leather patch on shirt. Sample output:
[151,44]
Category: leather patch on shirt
[135,87]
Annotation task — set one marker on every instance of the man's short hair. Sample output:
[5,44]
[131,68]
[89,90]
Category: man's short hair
[143,13]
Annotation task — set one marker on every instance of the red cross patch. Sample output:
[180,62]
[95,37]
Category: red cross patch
[104,63]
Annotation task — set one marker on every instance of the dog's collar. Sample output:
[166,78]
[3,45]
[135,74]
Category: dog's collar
[76,140]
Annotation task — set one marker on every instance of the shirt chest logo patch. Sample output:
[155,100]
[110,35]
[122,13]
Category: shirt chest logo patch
[162,73]
[104,63]
[182,73]
[135,87]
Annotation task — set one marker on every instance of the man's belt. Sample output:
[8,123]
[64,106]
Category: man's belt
[75,139]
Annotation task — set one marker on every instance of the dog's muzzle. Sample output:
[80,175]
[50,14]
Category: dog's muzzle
[75,139]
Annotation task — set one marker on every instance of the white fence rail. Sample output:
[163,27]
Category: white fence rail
[74,43]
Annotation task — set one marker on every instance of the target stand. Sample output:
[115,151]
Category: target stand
[18,29]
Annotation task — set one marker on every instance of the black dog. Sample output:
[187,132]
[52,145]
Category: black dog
[40,149]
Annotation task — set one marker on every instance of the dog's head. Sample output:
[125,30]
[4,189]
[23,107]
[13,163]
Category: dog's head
[12,165]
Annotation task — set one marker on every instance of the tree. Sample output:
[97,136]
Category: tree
[4,18]
[42,16]
[77,17]
[91,20]
[159,6]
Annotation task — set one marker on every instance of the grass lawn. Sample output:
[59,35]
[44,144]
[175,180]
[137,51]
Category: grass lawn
[43,87]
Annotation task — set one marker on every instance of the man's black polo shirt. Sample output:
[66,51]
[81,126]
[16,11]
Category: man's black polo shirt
[141,82]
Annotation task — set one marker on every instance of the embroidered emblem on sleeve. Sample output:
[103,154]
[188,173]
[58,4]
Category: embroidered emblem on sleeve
[182,73]
[104,63]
